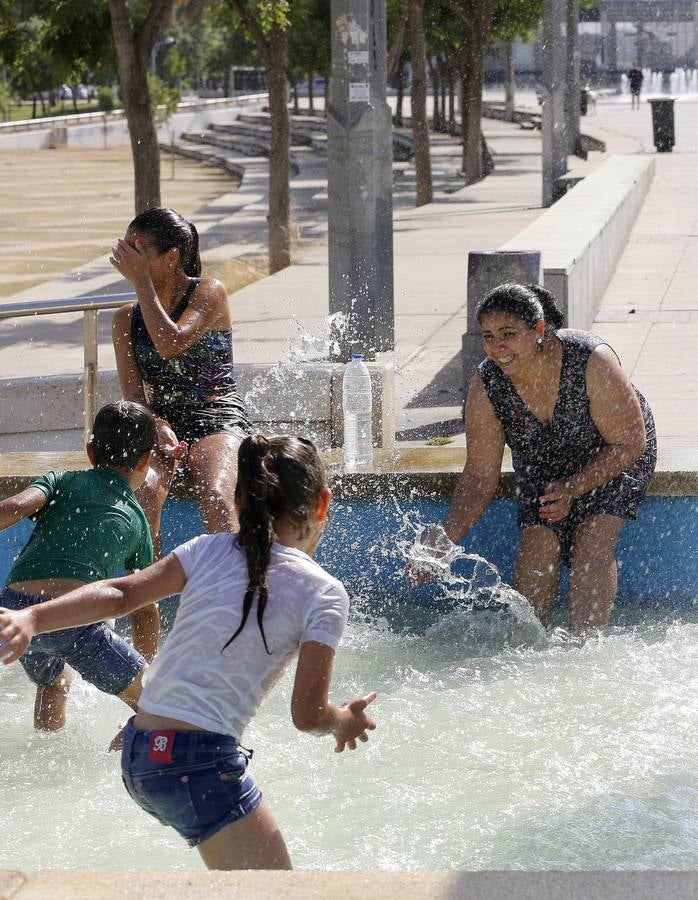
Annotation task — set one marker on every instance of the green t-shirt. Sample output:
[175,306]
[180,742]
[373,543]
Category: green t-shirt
[91,525]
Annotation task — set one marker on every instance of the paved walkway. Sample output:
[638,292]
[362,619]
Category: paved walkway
[655,277]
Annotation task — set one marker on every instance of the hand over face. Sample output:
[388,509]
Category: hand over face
[131,262]
[556,502]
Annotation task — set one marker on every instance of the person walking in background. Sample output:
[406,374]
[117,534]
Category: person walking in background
[182,761]
[583,448]
[174,353]
[88,525]
[635,78]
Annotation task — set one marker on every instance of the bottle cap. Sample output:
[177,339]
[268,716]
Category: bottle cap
[357,356]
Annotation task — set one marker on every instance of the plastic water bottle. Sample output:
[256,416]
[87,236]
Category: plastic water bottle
[357,407]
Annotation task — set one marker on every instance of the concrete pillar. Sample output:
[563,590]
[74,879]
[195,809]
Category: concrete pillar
[360,182]
[572,108]
[487,270]
[553,118]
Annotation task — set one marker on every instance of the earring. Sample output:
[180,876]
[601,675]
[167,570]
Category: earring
[539,341]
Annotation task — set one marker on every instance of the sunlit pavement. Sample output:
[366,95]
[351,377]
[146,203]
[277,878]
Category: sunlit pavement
[649,312]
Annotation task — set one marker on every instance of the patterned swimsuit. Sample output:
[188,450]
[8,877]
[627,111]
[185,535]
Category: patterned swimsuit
[544,452]
[195,392]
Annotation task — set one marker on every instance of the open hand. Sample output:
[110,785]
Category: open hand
[168,443]
[354,723]
[556,502]
[16,632]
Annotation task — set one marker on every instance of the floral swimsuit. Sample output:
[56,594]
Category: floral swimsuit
[543,452]
[195,392]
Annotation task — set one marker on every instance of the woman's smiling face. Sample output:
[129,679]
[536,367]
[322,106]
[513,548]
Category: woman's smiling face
[509,341]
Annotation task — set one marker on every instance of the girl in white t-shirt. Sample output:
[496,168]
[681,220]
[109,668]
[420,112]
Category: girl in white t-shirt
[181,759]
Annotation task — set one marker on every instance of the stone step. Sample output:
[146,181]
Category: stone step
[261,130]
[242,143]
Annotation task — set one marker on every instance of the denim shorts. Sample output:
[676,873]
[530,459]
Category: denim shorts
[198,785]
[95,651]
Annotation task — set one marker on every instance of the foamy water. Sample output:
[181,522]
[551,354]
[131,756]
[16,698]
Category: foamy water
[556,755]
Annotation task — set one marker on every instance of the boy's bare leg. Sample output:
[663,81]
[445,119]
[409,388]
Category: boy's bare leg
[49,707]
[130,696]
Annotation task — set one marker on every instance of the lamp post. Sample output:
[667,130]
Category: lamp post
[360,181]
[166,41]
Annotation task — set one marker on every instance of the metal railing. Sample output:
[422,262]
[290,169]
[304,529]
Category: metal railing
[89,306]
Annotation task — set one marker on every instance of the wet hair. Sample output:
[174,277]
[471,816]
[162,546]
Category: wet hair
[278,478]
[165,229]
[122,432]
[528,302]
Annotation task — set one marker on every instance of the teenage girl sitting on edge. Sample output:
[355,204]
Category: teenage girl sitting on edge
[181,759]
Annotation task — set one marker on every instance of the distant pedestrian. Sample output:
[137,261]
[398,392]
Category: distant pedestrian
[635,78]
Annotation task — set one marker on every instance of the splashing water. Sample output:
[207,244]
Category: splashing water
[306,346]
[485,611]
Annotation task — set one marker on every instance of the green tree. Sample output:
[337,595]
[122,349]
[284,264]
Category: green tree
[135,28]
[268,22]
[420,123]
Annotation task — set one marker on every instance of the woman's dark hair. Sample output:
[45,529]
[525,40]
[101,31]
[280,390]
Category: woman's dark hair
[278,478]
[122,432]
[166,229]
[528,302]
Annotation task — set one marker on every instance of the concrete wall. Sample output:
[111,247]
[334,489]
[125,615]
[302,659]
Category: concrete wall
[45,413]
[98,130]
[582,236]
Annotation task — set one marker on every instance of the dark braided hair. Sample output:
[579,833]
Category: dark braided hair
[528,302]
[278,478]
[166,229]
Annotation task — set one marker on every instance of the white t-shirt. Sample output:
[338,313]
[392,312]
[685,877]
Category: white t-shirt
[191,679]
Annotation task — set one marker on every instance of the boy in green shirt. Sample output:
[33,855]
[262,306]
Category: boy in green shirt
[88,525]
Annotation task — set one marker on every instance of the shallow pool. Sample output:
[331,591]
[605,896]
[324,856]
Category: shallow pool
[559,756]
[553,754]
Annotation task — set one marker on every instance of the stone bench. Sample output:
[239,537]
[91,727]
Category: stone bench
[582,236]
[45,413]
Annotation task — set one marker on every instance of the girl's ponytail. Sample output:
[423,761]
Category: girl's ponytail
[192,268]
[255,488]
[278,478]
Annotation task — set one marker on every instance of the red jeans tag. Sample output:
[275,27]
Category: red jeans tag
[161,746]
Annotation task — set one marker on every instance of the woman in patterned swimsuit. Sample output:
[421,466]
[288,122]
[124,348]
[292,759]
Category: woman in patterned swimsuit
[174,354]
[583,448]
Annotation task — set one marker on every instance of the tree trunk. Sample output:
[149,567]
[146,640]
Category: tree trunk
[451,101]
[296,106]
[471,104]
[509,81]
[400,94]
[420,124]
[311,93]
[436,88]
[133,59]
[144,139]
[279,157]
[443,72]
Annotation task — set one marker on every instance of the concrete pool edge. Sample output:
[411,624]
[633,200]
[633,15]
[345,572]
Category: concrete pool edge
[398,472]
[129,884]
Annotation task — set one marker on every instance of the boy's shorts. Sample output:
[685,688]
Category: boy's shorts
[194,781]
[95,651]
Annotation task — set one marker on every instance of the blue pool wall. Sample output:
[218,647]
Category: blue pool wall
[658,553]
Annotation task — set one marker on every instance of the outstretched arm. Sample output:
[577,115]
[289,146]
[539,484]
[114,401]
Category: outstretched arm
[484,438]
[311,709]
[94,602]
[21,506]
